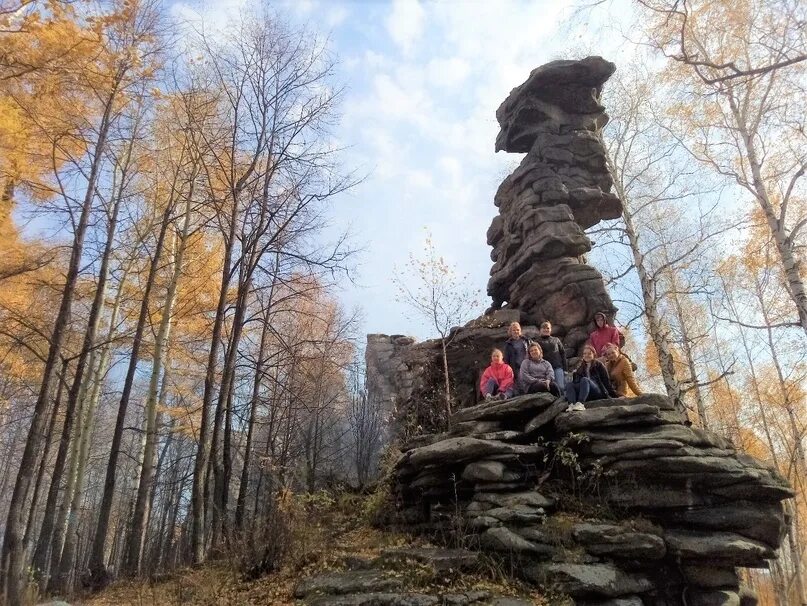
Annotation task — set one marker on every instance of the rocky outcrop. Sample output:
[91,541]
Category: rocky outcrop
[382,581]
[561,188]
[405,378]
[622,503]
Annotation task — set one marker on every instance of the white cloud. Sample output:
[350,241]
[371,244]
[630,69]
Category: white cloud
[421,116]
[336,15]
[448,72]
[302,8]
[405,23]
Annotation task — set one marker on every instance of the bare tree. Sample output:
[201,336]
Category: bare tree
[668,222]
[431,288]
[366,424]
[741,72]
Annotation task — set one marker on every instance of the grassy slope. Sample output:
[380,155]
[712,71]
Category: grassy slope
[324,531]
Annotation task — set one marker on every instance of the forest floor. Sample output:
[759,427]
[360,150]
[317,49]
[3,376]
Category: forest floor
[326,536]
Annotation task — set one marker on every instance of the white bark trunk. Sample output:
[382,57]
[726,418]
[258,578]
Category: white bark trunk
[776,224]
[134,554]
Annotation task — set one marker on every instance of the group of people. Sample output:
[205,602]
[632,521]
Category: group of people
[540,365]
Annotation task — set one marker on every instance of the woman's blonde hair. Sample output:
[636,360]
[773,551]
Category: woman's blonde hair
[496,350]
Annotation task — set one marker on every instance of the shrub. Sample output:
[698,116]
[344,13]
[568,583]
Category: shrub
[266,547]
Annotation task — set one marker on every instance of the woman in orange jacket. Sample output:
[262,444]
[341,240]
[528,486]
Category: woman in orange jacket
[498,381]
[620,370]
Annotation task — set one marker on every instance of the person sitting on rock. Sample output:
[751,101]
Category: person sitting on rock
[590,381]
[554,353]
[515,350]
[497,382]
[603,334]
[536,374]
[620,371]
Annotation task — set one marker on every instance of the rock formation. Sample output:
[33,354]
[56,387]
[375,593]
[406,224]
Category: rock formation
[561,187]
[619,504]
[623,504]
[379,582]
[393,370]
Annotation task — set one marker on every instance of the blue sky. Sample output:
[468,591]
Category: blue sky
[423,82]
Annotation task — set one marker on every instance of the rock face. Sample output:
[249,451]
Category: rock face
[619,504]
[394,370]
[561,187]
[379,582]
[622,504]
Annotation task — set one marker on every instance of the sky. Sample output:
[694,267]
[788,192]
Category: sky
[422,84]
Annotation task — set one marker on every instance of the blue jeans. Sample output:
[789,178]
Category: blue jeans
[560,378]
[492,388]
[583,391]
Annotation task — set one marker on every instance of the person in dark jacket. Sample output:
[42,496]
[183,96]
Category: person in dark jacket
[554,353]
[515,350]
[536,374]
[590,380]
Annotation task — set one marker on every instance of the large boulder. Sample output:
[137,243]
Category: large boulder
[587,580]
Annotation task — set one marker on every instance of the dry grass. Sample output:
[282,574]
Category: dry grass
[328,533]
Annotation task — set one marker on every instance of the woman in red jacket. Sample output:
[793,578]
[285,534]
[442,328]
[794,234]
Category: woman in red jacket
[498,381]
[603,334]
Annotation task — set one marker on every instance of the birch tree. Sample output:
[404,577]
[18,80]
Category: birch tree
[741,67]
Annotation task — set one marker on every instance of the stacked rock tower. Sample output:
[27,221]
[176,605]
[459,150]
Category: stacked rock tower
[561,187]
[621,504]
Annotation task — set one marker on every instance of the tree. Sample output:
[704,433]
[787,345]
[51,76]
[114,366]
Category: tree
[670,216]
[741,70]
[365,423]
[124,36]
[431,288]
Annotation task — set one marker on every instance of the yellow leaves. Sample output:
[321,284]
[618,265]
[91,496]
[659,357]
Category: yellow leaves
[750,443]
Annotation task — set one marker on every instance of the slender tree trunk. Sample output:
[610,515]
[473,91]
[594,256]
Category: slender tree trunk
[97,563]
[755,382]
[784,247]
[52,534]
[256,388]
[29,528]
[735,405]
[447,383]
[8,459]
[148,564]
[134,552]
[223,471]
[200,471]
[686,344]
[655,326]
[61,577]
[13,554]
